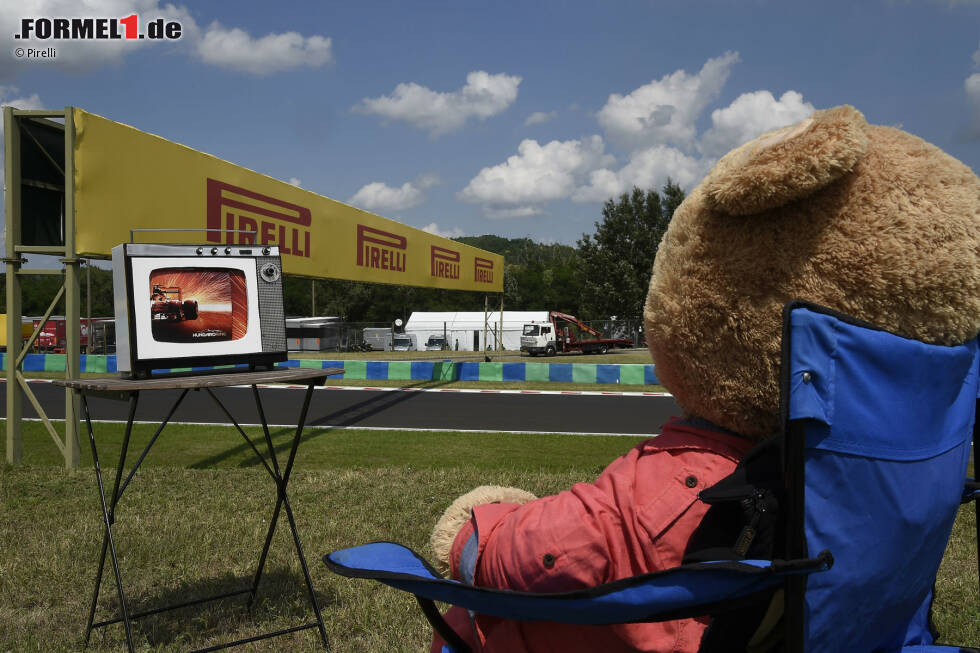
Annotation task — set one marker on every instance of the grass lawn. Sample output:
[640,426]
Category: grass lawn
[192,524]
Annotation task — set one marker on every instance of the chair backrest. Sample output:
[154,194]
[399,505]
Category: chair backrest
[880,426]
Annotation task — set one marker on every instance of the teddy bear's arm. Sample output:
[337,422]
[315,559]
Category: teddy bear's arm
[566,541]
[459,512]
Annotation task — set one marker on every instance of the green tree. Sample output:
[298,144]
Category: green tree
[536,276]
[617,260]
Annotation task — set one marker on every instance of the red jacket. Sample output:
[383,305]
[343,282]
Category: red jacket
[635,518]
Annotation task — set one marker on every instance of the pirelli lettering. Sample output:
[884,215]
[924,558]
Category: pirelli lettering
[482,270]
[381,250]
[271,220]
[444,263]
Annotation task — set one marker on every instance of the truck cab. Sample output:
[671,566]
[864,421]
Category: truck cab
[538,339]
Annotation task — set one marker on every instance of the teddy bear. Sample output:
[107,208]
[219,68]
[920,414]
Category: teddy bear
[870,221]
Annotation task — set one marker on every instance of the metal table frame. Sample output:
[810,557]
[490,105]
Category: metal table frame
[129,389]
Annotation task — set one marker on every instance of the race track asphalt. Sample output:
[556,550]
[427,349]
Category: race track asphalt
[627,413]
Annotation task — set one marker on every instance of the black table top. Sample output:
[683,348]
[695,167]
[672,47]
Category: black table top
[200,380]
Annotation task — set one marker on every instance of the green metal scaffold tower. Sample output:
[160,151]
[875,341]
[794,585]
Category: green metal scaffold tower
[39,210]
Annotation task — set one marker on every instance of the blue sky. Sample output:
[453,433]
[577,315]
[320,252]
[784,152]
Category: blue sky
[510,118]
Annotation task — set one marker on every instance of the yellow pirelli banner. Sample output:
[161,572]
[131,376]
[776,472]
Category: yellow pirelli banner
[128,179]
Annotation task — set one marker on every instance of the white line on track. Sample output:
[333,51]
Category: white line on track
[453,390]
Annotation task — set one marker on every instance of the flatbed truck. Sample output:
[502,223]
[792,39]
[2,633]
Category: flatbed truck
[566,333]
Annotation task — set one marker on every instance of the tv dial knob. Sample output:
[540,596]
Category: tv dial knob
[200,250]
[227,250]
[270,272]
[214,251]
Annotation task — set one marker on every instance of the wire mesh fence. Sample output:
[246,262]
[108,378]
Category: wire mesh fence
[336,335]
[333,334]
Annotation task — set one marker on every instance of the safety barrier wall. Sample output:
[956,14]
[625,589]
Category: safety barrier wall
[405,370]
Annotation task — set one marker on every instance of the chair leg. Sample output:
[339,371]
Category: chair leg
[450,636]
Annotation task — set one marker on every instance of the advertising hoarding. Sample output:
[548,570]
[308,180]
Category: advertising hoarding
[129,179]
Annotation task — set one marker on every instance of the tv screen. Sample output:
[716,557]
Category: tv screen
[198,304]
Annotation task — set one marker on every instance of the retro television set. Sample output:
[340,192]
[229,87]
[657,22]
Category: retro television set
[180,306]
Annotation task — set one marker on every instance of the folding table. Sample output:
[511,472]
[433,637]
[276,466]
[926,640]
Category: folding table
[130,389]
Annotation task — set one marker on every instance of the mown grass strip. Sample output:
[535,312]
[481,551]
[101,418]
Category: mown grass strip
[219,447]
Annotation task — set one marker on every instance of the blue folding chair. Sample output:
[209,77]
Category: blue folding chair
[876,438]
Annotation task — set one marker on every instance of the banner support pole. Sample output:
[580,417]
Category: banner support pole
[12,263]
[500,329]
[73,307]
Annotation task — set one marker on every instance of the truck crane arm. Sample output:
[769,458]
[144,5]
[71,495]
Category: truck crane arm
[571,319]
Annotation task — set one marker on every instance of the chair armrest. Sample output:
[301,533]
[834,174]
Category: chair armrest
[686,591]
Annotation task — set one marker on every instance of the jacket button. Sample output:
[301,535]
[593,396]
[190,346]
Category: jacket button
[548,560]
[691,481]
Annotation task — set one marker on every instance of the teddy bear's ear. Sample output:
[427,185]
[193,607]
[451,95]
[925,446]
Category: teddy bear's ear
[787,164]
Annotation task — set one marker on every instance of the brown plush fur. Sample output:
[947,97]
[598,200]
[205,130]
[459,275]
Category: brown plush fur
[787,164]
[870,221]
[459,512]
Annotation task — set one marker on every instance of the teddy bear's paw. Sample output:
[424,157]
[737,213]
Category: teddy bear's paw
[459,512]
[788,164]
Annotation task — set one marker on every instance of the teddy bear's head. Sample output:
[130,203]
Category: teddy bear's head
[870,221]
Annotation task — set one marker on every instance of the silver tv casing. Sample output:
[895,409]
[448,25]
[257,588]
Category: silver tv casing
[271,317]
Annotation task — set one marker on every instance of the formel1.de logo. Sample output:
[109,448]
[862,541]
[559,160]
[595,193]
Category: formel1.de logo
[45,28]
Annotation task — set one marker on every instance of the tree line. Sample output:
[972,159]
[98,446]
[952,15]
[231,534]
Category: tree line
[605,275]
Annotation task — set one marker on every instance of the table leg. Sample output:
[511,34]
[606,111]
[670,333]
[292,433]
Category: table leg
[282,500]
[108,515]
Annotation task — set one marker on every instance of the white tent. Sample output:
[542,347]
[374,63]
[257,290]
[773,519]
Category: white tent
[466,328]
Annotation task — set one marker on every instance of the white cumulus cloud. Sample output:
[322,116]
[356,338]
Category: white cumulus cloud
[512,212]
[295,182]
[483,96]
[972,86]
[535,175]
[10,96]
[665,111]
[434,229]
[650,168]
[750,115]
[378,196]
[236,49]
[656,126]
[539,117]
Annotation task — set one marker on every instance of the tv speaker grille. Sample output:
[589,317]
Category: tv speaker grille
[272,318]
